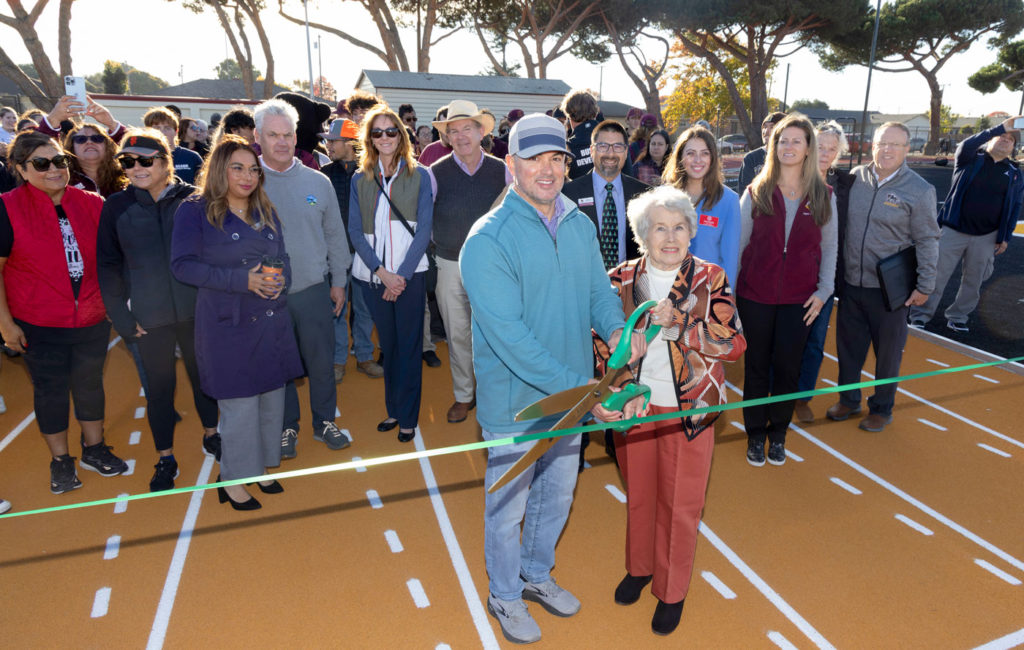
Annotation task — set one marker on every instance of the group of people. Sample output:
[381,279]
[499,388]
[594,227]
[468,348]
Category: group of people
[534,258]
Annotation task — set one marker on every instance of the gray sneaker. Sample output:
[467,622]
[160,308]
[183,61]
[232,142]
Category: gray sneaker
[551,597]
[331,435]
[288,439]
[516,623]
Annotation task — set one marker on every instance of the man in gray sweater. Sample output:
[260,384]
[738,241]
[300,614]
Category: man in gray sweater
[315,240]
[891,208]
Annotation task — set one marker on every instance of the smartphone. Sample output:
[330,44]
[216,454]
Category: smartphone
[1018,122]
[75,86]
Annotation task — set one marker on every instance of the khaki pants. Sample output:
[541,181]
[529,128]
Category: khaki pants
[453,304]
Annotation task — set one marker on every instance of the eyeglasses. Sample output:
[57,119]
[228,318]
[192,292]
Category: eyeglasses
[241,169]
[409,119]
[82,139]
[604,147]
[391,132]
[128,162]
[60,161]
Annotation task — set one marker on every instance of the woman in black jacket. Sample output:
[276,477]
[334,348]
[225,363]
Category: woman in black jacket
[146,304]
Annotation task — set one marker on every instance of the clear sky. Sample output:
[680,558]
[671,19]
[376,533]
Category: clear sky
[194,44]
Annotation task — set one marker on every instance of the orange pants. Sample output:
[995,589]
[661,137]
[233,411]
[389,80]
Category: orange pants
[666,480]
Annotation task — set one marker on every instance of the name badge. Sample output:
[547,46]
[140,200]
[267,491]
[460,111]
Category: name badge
[586,200]
[708,220]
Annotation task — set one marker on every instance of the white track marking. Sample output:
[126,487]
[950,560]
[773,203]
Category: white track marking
[140,412]
[442,646]
[130,462]
[469,592]
[846,486]
[938,363]
[337,412]
[996,571]
[361,468]
[718,585]
[913,524]
[586,465]
[773,597]
[798,459]
[163,611]
[418,595]
[1011,640]
[9,438]
[100,602]
[134,437]
[988,379]
[374,499]
[931,424]
[828,382]
[778,639]
[738,425]
[394,543]
[113,547]
[931,512]
[121,506]
[616,492]
[942,409]
[142,391]
[998,452]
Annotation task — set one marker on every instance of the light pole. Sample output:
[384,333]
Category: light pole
[867,91]
[309,47]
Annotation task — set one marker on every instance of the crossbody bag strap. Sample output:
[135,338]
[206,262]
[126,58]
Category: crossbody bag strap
[394,208]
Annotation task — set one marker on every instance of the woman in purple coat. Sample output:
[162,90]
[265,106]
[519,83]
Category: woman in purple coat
[227,239]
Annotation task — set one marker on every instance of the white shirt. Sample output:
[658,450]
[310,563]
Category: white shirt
[657,366]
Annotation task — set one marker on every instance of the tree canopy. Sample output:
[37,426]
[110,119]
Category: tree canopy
[1008,70]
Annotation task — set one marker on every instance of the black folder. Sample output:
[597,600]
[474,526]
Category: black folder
[897,276]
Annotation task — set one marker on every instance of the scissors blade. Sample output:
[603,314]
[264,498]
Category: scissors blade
[596,393]
[557,403]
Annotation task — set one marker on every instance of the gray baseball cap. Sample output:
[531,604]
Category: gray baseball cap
[535,134]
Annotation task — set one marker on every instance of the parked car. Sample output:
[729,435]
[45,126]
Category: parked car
[736,142]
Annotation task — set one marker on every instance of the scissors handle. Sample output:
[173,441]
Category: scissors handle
[620,357]
[617,400]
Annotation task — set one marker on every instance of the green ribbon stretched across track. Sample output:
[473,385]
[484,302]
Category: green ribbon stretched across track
[526,437]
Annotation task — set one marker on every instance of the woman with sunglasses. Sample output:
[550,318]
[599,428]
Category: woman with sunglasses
[391,213]
[146,304]
[227,242]
[93,166]
[50,305]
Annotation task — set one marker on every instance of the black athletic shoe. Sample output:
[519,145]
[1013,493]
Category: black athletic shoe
[63,477]
[211,446]
[163,477]
[99,459]
[776,453]
[755,452]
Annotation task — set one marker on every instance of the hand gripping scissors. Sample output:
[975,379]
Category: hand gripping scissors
[578,401]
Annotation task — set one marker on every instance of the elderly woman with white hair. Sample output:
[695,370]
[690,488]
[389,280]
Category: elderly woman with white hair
[665,464]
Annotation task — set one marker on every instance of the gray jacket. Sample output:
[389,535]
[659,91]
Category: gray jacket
[884,220]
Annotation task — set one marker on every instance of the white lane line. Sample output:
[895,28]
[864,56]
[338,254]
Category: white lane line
[718,585]
[374,499]
[828,381]
[913,524]
[988,379]
[469,592]
[442,646]
[931,512]
[163,611]
[846,486]
[142,392]
[794,456]
[738,425]
[121,506]
[113,547]
[140,412]
[361,468]
[337,412]
[997,572]
[942,409]
[616,492]
[394,543]
[130,462]
[9,438]
[998,452]
[938,363]
[931,424]
[1011,640]
[134,437]
[778,639]
[586,465]
[418,595]
[773,597]
[100,602]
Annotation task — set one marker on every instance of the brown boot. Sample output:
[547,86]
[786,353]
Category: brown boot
[875,422]
[840,412]
[460,411]
[339,372]
[370,368]
[803,412]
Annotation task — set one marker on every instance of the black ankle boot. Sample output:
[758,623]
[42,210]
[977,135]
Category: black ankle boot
[629,590]
[666,617]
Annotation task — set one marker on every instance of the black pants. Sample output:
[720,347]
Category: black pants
[156,351]
[66,361]
[776,335]
[313,319]
[863,321]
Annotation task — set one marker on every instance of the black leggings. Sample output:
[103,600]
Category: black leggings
[156,349]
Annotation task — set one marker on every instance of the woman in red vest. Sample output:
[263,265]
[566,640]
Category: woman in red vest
[788,246]
[50,304]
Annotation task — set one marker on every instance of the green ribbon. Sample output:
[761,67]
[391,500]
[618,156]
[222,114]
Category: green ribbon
[526,437]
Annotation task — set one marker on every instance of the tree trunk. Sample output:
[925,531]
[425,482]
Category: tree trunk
[252,10]
[64,37]
[935,117]
[244,63]
[35,94]
[753,134]
[388,59]
[385,22]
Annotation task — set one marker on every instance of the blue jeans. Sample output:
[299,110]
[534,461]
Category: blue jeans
[814,349]
[540,498]
[362,328]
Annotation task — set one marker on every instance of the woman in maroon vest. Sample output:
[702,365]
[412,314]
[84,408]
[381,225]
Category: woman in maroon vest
[787,269]
[50,304]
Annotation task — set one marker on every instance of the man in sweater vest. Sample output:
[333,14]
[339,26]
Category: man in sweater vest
[468,182]
[317,246]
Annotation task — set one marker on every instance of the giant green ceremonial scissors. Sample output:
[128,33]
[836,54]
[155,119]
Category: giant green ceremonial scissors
[578,401]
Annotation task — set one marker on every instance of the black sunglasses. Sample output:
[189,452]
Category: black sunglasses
[391,132]
[82,139]
[128,162]
[60,161]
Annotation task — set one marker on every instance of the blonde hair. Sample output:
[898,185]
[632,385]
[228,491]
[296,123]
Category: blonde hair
[368,155]
[763,186]
[213,185]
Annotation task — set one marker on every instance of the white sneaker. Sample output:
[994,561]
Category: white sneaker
[516,623]
[5,505]
[551,597]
